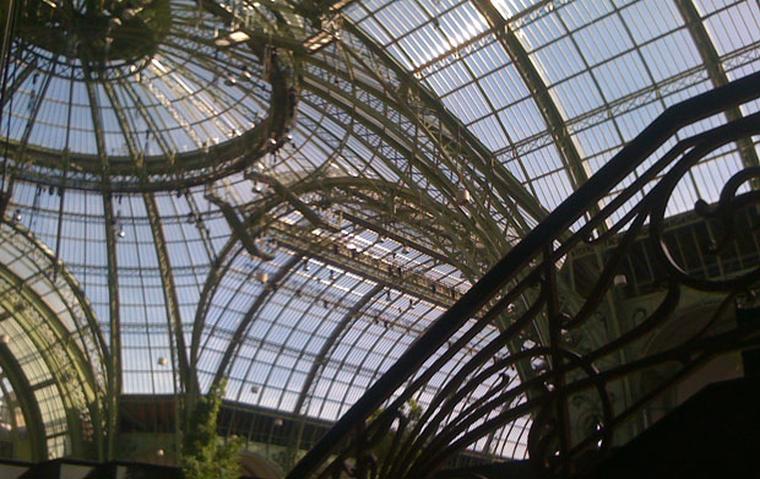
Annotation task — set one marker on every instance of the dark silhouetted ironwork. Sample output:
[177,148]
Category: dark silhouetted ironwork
[625,199]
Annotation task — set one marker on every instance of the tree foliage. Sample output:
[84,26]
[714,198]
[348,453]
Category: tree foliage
[204,454]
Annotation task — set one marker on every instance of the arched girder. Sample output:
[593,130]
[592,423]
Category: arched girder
[478,152]
[717,74]
[233,246]
[380,187]
[114,326]
[75,300]
[173,316]
[113,281]
[25,396]
[250,315]
[440,140]
[319,360]
[219,268]
[569,153]
[67,365]
[69,335]
[186,373]
[478,155]
[478,221]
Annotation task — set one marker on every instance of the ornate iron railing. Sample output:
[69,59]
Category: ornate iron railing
[538,318]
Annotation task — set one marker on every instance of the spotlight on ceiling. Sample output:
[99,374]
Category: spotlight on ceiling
[231,38]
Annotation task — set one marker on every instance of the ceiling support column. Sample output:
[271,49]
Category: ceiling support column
[114,364]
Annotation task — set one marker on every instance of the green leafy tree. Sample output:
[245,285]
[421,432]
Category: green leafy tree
[204,455]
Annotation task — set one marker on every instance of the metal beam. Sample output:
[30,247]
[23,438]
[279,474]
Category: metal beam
[186,376]
[210,285]
[8,22]
[479,153]
[328,249]
[319,363]
[389,273]
[381,188]
[539,91]
[319,360]
[29,405]
[714,67]
[18,80]
[114,365]
[378,124]
[250,315]
[67,364]
[514,262]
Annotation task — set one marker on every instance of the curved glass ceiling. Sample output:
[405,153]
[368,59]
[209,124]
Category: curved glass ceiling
[429,135]
[139,91]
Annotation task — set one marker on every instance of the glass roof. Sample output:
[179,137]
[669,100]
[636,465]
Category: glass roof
[44,310]
[152,106]
[429,136]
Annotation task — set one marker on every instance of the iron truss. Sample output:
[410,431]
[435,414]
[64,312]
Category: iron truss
[271,137]
[400,443]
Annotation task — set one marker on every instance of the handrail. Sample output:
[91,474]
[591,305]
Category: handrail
[515,264]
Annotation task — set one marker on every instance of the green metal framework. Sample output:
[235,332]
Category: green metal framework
[369,159]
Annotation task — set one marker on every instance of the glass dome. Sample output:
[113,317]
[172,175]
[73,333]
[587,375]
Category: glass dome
[136,95]
[287,197]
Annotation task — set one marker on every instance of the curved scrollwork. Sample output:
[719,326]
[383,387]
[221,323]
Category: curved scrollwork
[529,371]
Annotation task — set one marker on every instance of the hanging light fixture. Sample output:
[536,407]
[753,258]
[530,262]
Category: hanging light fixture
[463,196]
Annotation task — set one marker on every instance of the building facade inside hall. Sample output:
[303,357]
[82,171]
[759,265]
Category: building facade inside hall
[371,238]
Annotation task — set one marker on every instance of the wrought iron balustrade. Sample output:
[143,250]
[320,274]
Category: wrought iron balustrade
[627,198]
